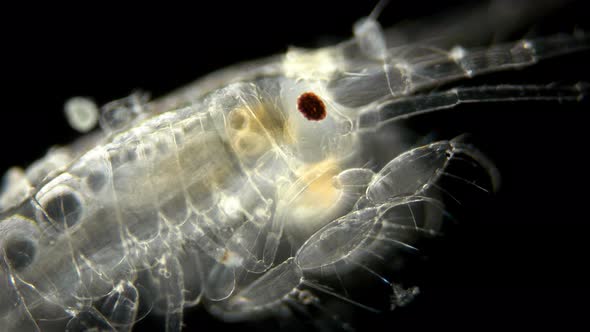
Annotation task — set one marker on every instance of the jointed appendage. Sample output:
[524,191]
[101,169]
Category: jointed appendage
[278,188]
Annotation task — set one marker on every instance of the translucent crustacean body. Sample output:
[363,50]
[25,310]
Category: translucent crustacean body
[224,194]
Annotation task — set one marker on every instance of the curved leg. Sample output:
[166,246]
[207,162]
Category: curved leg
[89,320]
[406,203]
[120,306]
[168,285]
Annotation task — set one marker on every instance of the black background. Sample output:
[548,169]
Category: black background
[521,264]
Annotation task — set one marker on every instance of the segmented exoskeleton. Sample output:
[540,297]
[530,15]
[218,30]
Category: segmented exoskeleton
[235,194]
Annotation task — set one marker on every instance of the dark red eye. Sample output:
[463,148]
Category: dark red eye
[311,106]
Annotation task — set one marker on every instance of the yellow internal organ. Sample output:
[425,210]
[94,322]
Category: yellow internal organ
[250,144]
[253,130]
[318,192]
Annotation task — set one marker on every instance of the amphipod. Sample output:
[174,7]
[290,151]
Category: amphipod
[275,190]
